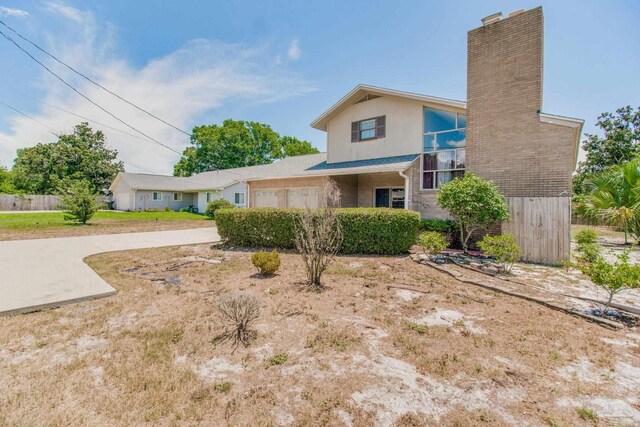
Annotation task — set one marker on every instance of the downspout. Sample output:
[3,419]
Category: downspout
[407,189]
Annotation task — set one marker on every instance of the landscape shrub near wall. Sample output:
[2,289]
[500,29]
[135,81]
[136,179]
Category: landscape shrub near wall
[366,230]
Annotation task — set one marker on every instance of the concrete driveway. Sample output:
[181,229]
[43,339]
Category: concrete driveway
[42,273]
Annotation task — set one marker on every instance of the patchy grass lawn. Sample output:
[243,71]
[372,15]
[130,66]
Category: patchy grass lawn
[389,342]
[14,226]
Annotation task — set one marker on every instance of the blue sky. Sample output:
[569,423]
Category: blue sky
[284,63]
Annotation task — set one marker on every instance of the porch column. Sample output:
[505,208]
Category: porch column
[407,189]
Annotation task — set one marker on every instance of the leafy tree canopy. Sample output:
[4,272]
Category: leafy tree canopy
[82,155]
[620,144]
[474,203]
[236,143]
[6,181]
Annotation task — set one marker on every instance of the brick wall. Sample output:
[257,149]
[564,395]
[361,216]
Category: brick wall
[506,142]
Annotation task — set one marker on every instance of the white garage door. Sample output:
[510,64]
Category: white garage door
[266,199]
[302,198]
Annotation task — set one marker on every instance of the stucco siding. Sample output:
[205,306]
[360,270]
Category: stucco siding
[403,129]
[144,200]
[229,193]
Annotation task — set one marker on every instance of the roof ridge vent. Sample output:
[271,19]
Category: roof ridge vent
[488,20]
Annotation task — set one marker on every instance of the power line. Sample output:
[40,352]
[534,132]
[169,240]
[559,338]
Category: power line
[90,120]
[28,116]
[58,135]
[86,97]
[93,81]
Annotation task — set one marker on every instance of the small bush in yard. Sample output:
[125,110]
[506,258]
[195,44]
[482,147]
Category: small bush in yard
[613,278]
[503,248]
[267,263]
[432,242]
[79,203]
[588,252]
[439,225]
[475,203]
[319,235]
[214,205]
[586,236]
[239,313]
[278,359]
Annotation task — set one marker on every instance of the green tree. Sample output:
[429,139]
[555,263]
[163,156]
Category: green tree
[79,202]
[82,155]
[474,203]
[236,143]
[620,143]
[613,278]
[6,181]
[613,198]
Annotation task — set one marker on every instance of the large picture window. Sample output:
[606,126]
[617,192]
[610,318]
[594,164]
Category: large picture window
[368,129]
[444,140]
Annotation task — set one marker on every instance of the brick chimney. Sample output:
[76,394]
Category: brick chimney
[506,141]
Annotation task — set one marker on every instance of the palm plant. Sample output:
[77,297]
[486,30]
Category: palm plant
[613,198]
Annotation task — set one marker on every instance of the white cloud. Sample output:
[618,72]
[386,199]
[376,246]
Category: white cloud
[9,11]
[181,87]
[294,51]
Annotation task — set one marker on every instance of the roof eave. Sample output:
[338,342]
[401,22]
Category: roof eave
[320,123]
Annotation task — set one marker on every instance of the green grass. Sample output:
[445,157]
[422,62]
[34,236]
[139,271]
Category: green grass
[29,221]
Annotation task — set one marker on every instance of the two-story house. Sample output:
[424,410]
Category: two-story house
[388,148]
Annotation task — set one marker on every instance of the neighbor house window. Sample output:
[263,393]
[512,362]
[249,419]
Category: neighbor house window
[239,198]
[209,197]
[368,129]
[177,197]
[156,195]
[443,143]
[389,198]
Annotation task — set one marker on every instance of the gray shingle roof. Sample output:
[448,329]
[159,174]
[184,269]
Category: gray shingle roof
[297,166]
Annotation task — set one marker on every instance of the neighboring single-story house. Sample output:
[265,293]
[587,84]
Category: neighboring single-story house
[388,148]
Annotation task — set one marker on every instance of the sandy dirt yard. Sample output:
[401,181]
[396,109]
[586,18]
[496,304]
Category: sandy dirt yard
[389,343]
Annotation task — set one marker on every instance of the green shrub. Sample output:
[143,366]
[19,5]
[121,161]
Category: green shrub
[588,252]
[503,248]
[474,202]
[365,230]
[267,263]
[214,205]
[439,225]
[278,359]
[79,203]
[586,236]
[432,242]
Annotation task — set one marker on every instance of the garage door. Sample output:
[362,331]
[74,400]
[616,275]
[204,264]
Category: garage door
[266,199]
[302,198]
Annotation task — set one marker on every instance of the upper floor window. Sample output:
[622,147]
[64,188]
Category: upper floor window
[368,129]
[443,143]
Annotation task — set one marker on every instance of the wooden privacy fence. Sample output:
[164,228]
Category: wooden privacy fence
[12,202]
[542,227]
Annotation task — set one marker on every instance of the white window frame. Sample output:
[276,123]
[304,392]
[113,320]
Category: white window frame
[235,197]
[390,188]
[209,196]
[153,196]
[177,197]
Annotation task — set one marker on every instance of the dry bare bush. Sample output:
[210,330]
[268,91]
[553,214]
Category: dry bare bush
[239,312]
[318,234]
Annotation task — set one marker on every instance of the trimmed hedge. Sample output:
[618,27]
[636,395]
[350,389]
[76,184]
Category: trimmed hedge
[366,230]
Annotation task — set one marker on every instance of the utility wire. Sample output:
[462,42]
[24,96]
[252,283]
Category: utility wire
[86,97]
[29,117]
[93,81]
[58,134]
[91,120]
